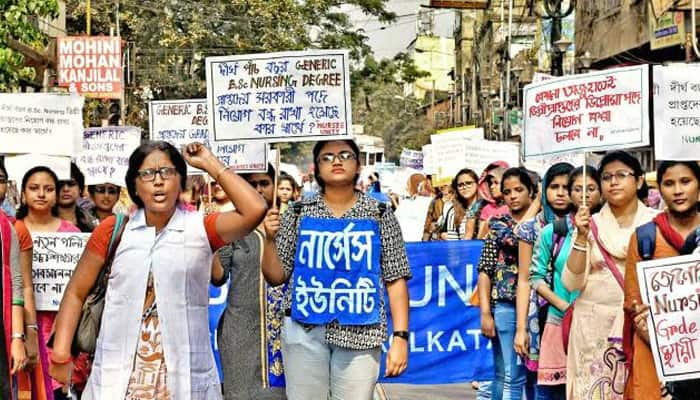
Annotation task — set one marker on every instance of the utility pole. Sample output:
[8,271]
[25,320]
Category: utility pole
[553,10]
[88,11]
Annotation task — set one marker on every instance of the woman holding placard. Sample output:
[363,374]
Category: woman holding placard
[154,339]
[38,213]
[679,185]
[340,247]
[595,361]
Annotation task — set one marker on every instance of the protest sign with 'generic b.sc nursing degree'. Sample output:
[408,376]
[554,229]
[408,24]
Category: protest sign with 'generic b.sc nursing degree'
[106,152]
[590,112]
[289,96]
[670,287]
[181,122]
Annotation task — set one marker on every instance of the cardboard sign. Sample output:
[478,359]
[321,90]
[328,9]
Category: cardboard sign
[40,123]
[670,287]
[17,166]
[411,158]
[180,122]
[91,65]
[590,112]
[677,112]
[450,157]
[55,256]
[106,152]
[288,96]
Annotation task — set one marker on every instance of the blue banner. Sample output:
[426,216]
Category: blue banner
[445,343]
[217,307]
[336,272]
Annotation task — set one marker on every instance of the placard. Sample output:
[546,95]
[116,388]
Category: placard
[450,157]
[55,256]
[590,112]
[106,152]
[40,123]
[91,65]
[17,166]
[677,112]
[670,287]
[289,96]
[181,122]
[411,158]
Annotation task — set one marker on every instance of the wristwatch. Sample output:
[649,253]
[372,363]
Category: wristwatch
[401,334]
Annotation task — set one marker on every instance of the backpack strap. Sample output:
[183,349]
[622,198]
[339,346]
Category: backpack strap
[561,228]
[646,240]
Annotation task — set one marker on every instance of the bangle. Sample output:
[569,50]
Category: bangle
[19,336]
[18,302]
[220,171]
[578,247]
[32,326]
[66,361]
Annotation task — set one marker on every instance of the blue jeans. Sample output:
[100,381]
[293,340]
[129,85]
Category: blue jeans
[315,370]
[511,373]
[549,392]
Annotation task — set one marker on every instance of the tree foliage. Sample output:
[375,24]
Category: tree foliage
[18,20]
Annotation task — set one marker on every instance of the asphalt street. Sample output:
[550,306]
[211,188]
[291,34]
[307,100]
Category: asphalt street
[462,391]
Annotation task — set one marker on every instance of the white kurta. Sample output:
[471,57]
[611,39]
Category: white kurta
[180,260]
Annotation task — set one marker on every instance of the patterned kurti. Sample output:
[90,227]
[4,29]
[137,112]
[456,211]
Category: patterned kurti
[499,259]
[393,260]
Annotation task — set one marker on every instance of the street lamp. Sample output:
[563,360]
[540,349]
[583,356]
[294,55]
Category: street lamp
[553,10]
[586,61]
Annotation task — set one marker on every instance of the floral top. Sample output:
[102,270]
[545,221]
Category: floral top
[499,259]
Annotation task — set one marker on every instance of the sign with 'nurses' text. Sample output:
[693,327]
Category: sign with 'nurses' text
[287,96]
[670,287]
[589,112]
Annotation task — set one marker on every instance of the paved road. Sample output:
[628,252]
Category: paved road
[428,392]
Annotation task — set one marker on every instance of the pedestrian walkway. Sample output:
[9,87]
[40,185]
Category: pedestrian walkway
[460,391]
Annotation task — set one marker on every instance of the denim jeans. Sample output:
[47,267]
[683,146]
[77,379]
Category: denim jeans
[551,392]
[511,374]
[315,370]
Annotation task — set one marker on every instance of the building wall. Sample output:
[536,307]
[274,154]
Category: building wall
[597,21]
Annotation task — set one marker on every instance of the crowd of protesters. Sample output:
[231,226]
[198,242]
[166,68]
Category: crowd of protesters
[557,283]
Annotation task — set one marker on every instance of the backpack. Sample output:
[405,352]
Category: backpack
[646,240]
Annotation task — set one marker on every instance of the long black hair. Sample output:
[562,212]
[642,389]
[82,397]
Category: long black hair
[455,189]
[523,175]
[23,210]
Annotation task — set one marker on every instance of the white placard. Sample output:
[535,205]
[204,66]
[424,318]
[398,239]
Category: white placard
[449,158]
[17,166]
[55,256]
[670,287]
[181,122]
[288,96]
[589,112]
[453,135]
[411,158]
[428,159]
[40,123]
[106,152]
[677,112]
[411,215]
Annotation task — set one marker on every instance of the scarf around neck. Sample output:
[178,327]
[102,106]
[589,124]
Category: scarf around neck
[615,238]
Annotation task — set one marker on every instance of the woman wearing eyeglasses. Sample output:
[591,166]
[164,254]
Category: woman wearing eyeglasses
[466,199]
[595,361]
[154,338]
[338,251]
[105,197]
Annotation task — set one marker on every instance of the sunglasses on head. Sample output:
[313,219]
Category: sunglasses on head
[101,189]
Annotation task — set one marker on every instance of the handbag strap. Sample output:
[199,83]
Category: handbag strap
[114,240]
[609,262]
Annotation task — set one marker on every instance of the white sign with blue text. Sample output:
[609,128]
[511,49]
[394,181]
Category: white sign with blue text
[105,154]
[180,122]
[288,96]
[337,272]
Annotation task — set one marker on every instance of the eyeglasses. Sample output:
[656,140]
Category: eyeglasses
[618,175]
[263,183]
[462,185]
[106,189]
[149,174]
[3,179]
[342,157]
[69,183]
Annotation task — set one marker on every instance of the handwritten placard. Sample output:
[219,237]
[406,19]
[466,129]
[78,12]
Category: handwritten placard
[285,96]
[677,112]
[336,272]
[588,112]
[181,122]
[670,287]
[411,158]
[451,156]
[106,152]
[55,256]
[40,123]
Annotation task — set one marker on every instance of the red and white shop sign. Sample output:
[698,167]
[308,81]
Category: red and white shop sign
[91,65]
